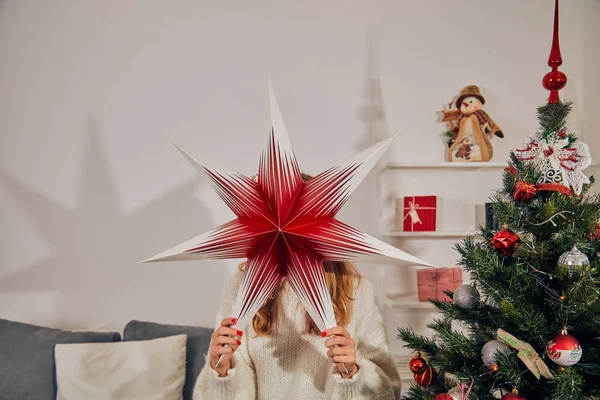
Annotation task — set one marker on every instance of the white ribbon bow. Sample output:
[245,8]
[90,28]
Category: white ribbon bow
[412,212]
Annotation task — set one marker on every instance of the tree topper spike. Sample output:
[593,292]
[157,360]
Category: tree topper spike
[555,79]
[555,59]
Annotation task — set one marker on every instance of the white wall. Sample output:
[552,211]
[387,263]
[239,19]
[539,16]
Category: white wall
[92,92]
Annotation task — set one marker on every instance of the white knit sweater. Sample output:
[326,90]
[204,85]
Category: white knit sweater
[293,364]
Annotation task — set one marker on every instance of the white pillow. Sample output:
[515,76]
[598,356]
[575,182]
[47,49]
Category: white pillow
[147,369]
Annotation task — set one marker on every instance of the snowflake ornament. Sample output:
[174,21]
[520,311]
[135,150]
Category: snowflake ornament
[286,227]
[558,163]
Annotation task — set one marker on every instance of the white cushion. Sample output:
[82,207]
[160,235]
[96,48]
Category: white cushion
[148,370]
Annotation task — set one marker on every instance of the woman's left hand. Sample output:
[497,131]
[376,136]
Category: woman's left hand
[342,350]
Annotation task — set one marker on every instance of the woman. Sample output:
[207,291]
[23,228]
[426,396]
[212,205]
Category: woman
[282,355]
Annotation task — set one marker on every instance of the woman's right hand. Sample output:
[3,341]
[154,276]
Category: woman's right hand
[224,335]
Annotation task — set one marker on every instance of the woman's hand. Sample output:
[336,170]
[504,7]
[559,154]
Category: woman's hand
[225,340]
[342,350]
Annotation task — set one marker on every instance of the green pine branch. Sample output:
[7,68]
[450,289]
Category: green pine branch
[553,117]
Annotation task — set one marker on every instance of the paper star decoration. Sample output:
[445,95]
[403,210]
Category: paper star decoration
[285,227]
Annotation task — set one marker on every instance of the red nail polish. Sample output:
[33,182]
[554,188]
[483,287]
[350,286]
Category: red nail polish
[233,320]
[239,343]
[240,333]
[323,334]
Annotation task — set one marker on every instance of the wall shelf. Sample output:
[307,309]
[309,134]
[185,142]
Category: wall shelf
[397,300]
[445,165]
[400,303]
[434,234]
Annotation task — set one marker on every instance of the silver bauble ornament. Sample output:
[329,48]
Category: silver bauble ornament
[527,237]
[490,350]
[466,296]
[572,262]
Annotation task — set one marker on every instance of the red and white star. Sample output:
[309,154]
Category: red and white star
[286,227]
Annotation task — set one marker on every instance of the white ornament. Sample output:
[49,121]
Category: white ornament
[564,349]
[558,163]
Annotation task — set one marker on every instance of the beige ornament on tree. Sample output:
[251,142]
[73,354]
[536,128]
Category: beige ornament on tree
[470,128]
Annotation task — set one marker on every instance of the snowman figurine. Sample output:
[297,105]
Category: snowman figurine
[472,128]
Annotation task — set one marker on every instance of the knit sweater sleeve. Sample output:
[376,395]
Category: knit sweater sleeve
[240,382]
[377,377]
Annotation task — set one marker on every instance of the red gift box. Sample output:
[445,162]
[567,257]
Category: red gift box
[432,283]
[420,213]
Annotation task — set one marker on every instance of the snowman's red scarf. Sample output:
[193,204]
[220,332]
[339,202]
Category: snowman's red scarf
[482,117]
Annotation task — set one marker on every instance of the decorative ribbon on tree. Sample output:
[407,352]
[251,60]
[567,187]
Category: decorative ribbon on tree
[558,163]
[527,354]
[465,390]
[460,392]
[286,227]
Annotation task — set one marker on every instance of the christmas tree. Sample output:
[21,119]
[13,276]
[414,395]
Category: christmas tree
[529,326]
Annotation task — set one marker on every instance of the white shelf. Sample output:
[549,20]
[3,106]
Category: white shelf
[408,302]
[439,234]
[444,165]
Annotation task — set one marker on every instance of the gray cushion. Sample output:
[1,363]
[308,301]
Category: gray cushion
[198,340]
[27,369]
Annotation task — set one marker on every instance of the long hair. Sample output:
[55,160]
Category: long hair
[341,279]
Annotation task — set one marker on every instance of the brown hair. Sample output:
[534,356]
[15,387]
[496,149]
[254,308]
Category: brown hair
[341,278]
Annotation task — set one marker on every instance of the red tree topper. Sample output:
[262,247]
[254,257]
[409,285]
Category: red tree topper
[555,79]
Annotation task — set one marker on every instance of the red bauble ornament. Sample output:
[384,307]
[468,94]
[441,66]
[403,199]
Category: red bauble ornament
[417,364]
[524,191]
[513,396]
[564,349]
[506,241]
[444,396]
[426,378]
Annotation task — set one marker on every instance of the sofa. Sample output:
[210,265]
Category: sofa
[39,363]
